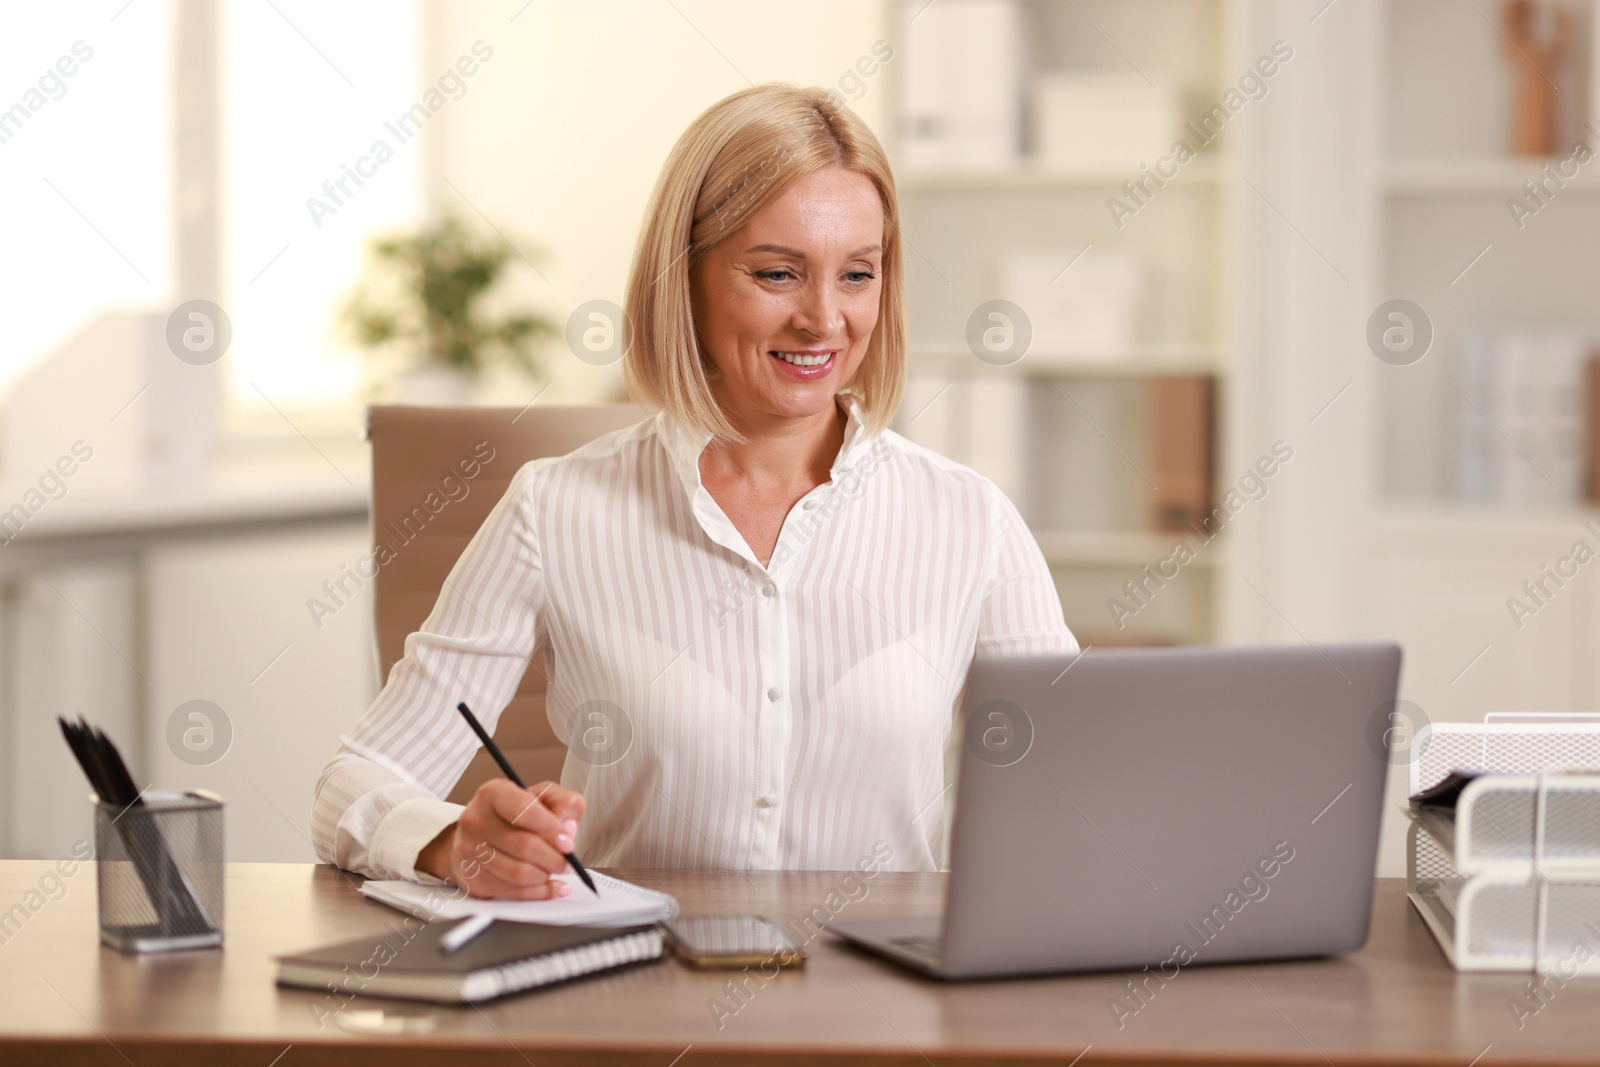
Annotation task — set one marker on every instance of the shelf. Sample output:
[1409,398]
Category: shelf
[1488,177]
[984,221]
[113,525]
[1154,361]
[1483,514]
[1029,177]
[1119,549]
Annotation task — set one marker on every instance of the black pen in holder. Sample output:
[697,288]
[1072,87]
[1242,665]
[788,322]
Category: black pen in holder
[160,854]
[160,871]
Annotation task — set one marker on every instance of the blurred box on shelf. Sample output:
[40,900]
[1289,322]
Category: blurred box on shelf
[961,90]
[1101,121]
[1475,437]
[1078,479]
[1076,455]
[1182,449]
[1080,306]
[978,421]
[1591,407]
[1519,426]
[996,431]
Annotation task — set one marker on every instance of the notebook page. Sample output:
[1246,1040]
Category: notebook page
[619,903]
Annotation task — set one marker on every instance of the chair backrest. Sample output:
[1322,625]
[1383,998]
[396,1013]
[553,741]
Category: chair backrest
[431,490]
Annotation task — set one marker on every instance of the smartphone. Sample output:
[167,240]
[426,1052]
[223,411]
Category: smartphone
[733,941]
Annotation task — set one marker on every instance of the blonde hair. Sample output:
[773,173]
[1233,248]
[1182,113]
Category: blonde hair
[739,155]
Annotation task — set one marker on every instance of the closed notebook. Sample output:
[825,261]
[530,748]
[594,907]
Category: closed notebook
[505,958]
[618,903]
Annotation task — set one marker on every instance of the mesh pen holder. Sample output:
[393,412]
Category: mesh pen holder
[160,873]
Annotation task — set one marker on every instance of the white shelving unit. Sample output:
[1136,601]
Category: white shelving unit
[959,223]
[1498,178]
[1447,239]
[1440,572]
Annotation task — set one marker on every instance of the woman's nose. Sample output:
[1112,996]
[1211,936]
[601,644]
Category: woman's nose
[820,313]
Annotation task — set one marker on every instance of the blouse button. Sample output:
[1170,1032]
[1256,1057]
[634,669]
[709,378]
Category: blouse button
[809,504]
[774,693]
[769,590]
[767,800]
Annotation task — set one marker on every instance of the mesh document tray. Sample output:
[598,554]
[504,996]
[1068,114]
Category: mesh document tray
[1512,882]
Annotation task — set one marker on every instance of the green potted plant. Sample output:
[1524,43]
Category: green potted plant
[419,312]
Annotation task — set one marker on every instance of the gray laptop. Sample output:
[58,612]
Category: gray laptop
[1158,806]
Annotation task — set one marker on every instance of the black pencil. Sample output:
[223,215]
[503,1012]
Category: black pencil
[511,773]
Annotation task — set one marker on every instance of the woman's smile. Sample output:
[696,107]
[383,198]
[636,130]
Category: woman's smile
[806,364]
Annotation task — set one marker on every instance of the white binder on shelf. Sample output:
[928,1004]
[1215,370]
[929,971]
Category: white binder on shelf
[961,85]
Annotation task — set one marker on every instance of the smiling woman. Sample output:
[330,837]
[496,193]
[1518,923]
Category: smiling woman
[801,730]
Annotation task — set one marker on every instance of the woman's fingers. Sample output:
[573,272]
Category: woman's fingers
[526,809]
[517,872]
[507,849]
[509,840]
[488,869]
[522,857]
[566,803]
[488,885]
[530,810]
[547,890]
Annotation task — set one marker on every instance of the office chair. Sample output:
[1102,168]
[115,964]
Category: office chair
[413,450]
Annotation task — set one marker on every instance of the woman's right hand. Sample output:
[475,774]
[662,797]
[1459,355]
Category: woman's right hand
[508,842]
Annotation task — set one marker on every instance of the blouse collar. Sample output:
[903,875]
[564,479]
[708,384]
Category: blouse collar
[685,444]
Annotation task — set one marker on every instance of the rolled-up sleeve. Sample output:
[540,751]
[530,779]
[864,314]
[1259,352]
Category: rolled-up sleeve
[1021,613]
[378,802]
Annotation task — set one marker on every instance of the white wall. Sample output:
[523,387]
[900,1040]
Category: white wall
[228,623]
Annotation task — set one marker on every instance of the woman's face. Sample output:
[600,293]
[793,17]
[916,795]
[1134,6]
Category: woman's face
[785,306]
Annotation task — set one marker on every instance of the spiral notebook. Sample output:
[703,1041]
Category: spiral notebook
[508,958]
[619,903]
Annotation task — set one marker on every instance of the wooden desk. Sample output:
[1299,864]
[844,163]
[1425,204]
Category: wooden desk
[66,1000]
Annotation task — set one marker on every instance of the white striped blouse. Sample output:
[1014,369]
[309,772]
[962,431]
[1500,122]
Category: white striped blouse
[719,713]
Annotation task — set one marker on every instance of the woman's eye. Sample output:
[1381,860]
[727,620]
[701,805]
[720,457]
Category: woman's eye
[776,275]
[860,277]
